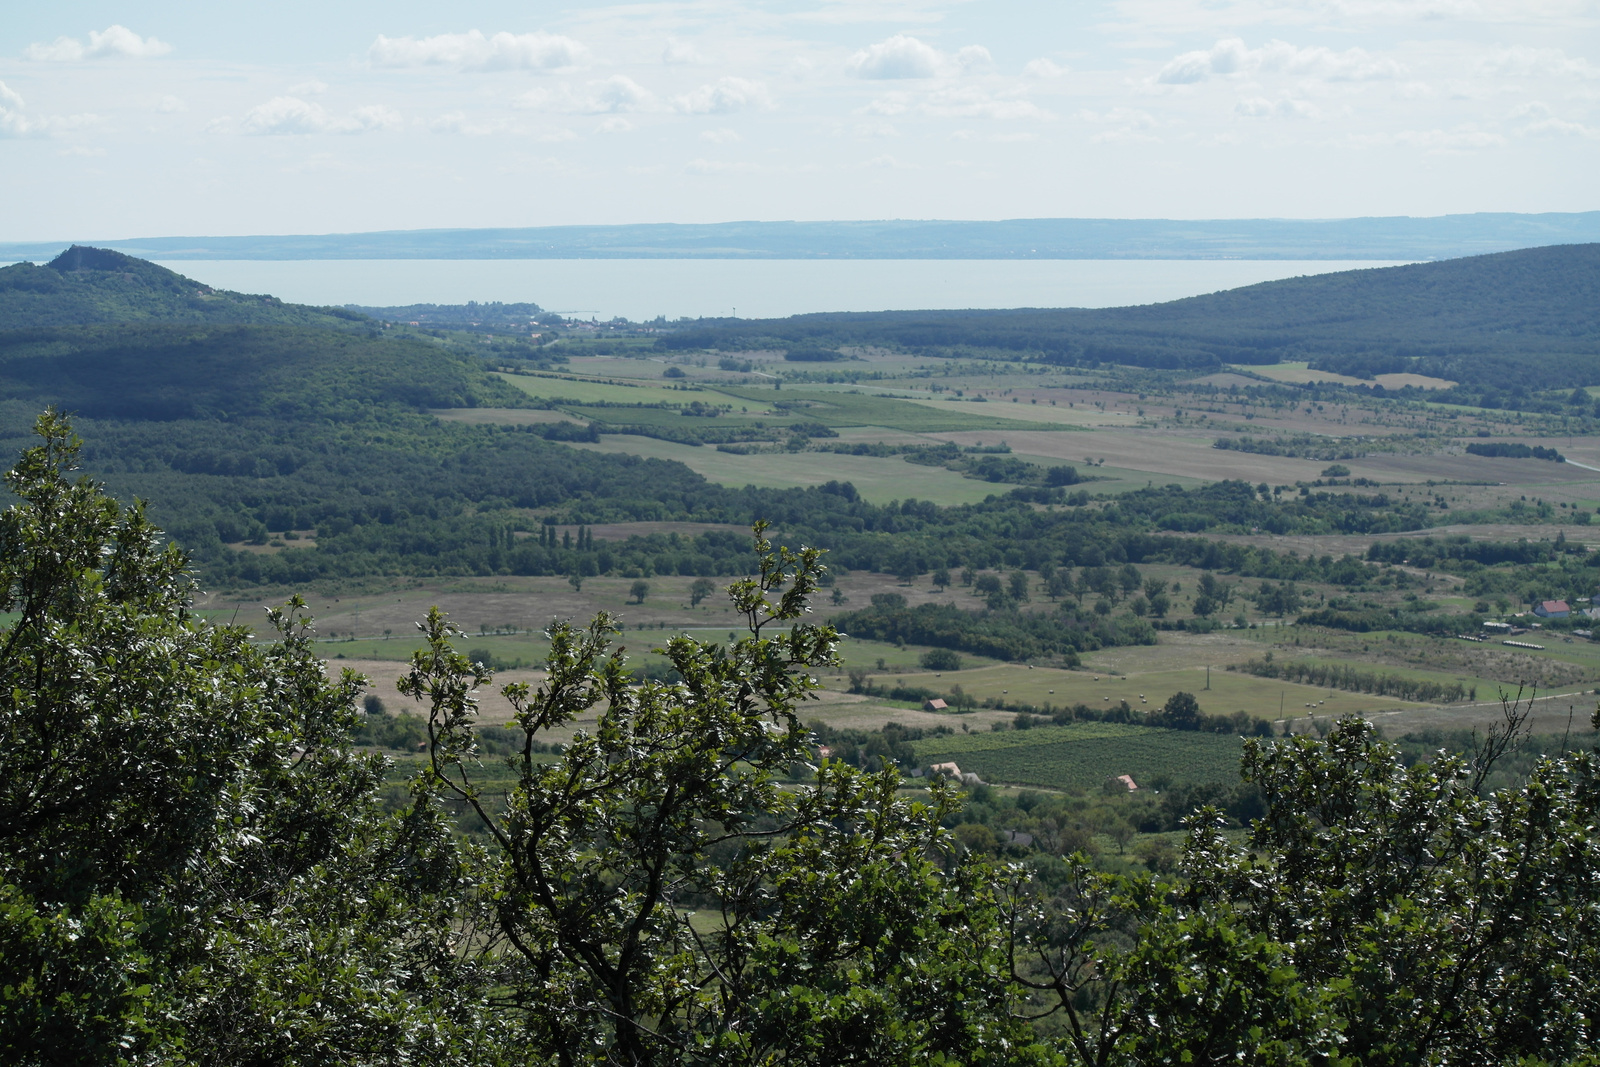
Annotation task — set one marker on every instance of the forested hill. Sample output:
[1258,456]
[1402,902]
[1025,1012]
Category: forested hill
[1439,318]
[85,286]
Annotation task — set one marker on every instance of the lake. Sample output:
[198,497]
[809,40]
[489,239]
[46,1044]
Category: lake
[641,289]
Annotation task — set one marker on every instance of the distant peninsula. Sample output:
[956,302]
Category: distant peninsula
[1390,238]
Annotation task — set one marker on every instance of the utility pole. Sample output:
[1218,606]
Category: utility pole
[1208,676]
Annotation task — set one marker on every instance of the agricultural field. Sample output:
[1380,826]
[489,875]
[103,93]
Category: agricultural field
[1124,430]
[1084,755]
[1300,374]
[588,391]
[1260,698]
[857,407]
[878,479]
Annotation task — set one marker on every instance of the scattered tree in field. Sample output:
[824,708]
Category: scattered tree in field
[576,581]
[1129,579]
[639,590]
[1180,712]
[1017,585]
[941,578]
[699,589]
[1280,599]
[940,659]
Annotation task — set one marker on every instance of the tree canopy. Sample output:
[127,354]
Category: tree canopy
[195,865]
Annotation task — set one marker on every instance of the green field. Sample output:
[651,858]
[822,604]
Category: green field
[531,649]
[582,391]
[840,409]
[1261,698]
[879,479]
[1084,755]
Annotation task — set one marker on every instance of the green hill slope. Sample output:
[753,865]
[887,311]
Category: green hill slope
[1533,313]
[168,371]
[84,286]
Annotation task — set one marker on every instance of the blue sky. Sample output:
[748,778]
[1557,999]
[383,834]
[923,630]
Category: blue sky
[129,119]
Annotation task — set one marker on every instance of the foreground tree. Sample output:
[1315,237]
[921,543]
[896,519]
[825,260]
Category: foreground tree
[1378,914]
[192,865]
[661,894]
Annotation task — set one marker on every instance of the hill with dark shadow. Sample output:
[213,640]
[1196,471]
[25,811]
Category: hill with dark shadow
[86,286]
[1531,316]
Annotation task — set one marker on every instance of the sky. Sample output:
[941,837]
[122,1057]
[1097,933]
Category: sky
[127,119]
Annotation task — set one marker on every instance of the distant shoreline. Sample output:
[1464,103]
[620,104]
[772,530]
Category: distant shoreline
[1394,238]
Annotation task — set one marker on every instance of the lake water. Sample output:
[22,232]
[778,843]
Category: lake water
[641,289]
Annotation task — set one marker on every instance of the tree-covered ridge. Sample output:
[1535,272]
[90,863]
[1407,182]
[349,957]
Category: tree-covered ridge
[225,371]
[96,285]
[1459,319]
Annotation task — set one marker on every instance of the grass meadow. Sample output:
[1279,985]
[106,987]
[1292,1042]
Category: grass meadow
[1084,755]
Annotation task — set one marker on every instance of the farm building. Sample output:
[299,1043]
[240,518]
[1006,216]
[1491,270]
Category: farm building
[1127,780]
[1552,609]
[934,704]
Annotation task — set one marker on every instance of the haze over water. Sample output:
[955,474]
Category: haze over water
[641,289]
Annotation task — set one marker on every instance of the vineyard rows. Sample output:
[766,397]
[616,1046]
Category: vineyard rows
[1085,755]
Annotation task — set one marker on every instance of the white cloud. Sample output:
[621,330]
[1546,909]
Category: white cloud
[1538,120]
[1257,107]
[1124,124]
[1042,68]
[13,123]
[475,52]
[110,42]
[959,101]
[722,135]
[890,104]
[1554,127]
[457,122]
[1230,56]
[612,95]
[291,115]
[171,105]
[874,130]
[718,166]
[614,124]
[725,96]
[970,102]
[309,87]
[680,53]
[902,56]
[1463,138]
[1537,62]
